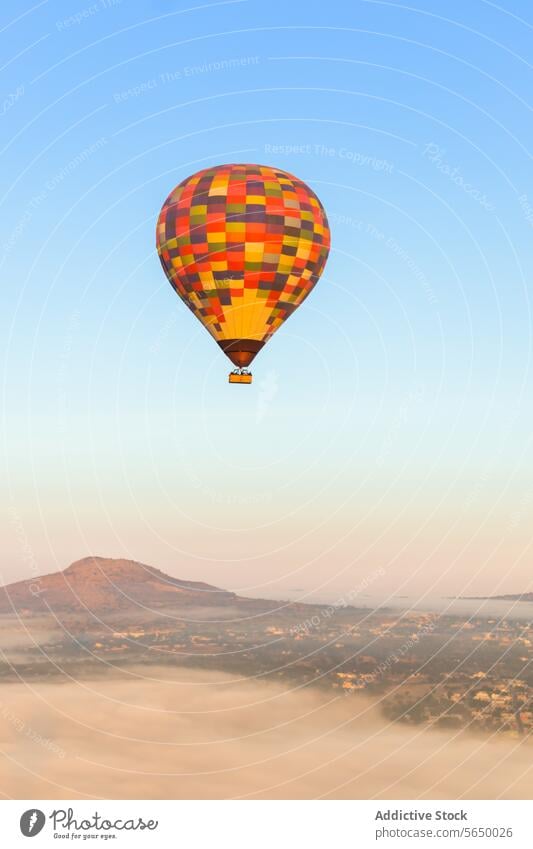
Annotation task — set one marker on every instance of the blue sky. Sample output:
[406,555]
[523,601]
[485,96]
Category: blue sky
[388,426]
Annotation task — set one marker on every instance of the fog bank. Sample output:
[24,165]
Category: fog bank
[183,734]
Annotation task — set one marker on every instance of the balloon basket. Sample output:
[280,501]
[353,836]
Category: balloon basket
[240,376]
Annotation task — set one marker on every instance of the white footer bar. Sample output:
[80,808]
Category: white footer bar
[267,824]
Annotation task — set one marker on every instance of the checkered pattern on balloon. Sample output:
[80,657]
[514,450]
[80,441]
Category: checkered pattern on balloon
[243,246]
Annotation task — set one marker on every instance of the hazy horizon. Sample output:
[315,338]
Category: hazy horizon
[363,595]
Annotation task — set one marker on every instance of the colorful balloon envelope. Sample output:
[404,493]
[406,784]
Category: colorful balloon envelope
[243,246]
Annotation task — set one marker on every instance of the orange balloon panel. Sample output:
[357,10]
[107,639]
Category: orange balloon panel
[242,245]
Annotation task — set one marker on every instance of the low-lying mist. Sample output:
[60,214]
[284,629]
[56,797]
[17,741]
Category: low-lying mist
[179,734]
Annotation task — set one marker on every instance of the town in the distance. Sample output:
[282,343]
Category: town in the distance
[100,615]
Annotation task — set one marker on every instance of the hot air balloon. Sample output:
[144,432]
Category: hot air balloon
[243,246]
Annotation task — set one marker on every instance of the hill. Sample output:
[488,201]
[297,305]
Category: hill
[100,584]
[514,597]
[508,597]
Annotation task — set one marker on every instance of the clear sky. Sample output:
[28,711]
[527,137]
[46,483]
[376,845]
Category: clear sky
[386,439]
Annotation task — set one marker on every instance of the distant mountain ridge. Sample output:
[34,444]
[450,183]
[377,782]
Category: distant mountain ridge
[508,597]
[106,584]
